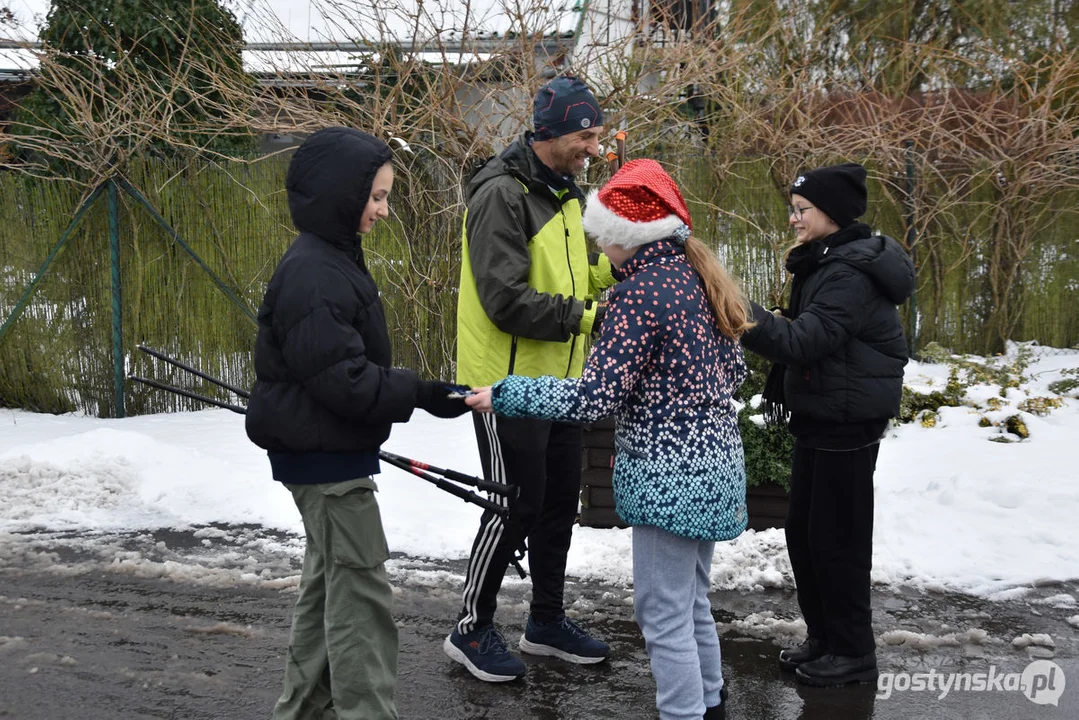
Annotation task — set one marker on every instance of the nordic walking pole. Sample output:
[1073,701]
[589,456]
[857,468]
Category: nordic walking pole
[446,485]
[188,394]
[408,464]
[511,491]
[183,366]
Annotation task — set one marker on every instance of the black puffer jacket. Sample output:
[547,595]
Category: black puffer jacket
[325,393]
[844,348]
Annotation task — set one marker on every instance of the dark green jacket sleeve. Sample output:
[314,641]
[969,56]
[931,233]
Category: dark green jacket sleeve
[500,260]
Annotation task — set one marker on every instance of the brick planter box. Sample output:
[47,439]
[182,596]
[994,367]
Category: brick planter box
[767,506]
[597,469]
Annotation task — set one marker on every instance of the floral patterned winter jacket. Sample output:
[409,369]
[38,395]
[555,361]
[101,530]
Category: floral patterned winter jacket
[662,366]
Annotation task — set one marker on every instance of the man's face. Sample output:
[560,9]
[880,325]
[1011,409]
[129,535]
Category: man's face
[569,153]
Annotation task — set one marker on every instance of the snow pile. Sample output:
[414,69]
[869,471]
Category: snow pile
[1036,639]
[926,642]
[766,626]
[957,512]
[1063,600]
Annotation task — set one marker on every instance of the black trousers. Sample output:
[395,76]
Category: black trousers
[829,533]
[543,459]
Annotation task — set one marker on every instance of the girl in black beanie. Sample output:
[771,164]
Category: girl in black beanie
[838,353]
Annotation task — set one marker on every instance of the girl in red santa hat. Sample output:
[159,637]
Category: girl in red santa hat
[666,364]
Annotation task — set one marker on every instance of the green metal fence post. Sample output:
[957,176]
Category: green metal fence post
[221,284]
[28,293]
[117,305]
[912,334]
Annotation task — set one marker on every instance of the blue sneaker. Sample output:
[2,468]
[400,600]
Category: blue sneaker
[563,639]
[483,651]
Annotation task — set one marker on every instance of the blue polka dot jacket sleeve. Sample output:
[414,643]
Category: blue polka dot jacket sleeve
[664,370]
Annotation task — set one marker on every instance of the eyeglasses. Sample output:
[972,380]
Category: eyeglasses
[797,211]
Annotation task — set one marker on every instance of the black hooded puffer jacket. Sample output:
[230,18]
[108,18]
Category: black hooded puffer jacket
[845,349]
[325,393]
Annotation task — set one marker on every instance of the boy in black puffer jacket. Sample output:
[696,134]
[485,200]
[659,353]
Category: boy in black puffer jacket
[838,355]
[324,399]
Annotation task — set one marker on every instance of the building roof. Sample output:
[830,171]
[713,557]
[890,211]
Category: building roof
[265,60]
[452,30]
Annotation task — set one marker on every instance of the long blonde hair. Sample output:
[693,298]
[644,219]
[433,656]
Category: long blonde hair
[729,303]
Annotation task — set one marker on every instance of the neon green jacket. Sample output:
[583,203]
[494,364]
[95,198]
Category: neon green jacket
[527,283]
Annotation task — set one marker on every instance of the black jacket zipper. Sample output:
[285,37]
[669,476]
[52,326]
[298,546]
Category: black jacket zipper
[572,280]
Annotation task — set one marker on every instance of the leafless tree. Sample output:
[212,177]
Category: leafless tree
[993,159]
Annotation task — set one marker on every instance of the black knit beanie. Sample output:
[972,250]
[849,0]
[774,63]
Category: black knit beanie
[564,105]
[837,190]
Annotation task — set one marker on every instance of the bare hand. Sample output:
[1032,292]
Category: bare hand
[480,400]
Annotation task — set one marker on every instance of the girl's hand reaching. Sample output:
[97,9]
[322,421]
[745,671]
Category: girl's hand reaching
[480,400]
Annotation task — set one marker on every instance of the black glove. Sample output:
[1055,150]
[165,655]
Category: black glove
[597,322]
[434,397]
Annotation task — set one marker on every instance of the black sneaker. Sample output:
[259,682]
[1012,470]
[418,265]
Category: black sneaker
[563,639]
[483,652]
[835,670]
[718,712]
[810,649]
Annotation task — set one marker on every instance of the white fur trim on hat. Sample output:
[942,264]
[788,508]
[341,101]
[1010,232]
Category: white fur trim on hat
[610,228]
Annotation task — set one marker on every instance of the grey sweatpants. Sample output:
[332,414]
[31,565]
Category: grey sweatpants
[670,599]
[342,655]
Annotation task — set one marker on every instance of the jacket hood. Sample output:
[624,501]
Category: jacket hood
[329,182]
[519,161]
[884,260]
[515,160]
[646,255]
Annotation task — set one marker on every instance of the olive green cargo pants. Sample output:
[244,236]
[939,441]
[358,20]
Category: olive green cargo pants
[342,655]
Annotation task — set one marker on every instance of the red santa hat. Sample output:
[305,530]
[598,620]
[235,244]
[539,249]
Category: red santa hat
[640,204]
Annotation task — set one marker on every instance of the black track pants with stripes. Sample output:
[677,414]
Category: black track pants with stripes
[543,459]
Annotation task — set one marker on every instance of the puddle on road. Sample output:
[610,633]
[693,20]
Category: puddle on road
[218,555]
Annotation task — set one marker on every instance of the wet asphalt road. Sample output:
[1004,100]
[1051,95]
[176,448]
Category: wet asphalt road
[80,638]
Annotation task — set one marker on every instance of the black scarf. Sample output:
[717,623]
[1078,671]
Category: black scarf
[801,262]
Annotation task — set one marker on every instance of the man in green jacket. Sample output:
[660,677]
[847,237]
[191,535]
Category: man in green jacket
[527,304]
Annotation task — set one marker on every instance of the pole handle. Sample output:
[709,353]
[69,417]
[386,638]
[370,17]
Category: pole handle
[612,162]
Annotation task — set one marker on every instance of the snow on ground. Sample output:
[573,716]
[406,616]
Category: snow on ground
[766,626]
[954,511]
